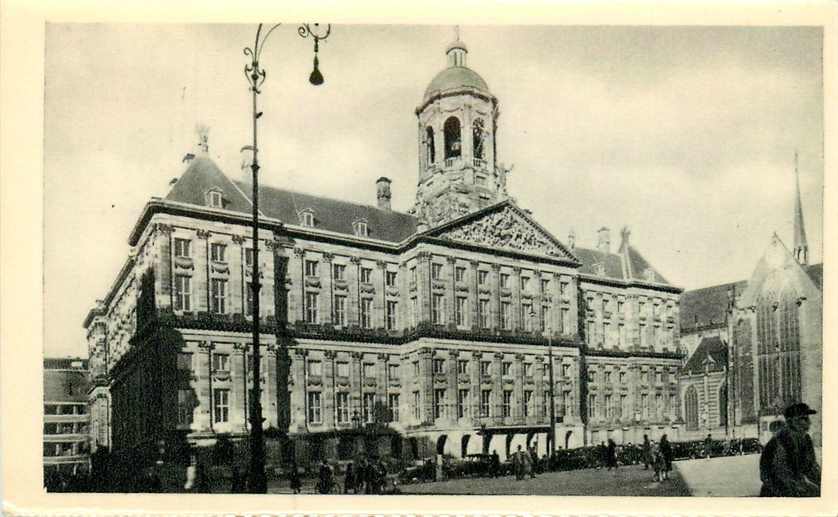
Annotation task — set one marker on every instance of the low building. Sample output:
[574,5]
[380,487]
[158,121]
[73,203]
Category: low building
[66,419]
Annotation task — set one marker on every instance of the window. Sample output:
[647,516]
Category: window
[311,307]
[183,293]
[527,369]
[592,375]
[658,377]
[658,405]
[343,369]
[592,406]
[307,218]
[430,150]
[436,271]
[565,371]
[437,309]
[315,368]
[220,362]
[545,285]
[607,377]
[506,315]
[478,133]
[622,377]
[485,368]
[392,307]
[366,313]
[506,368]
[393,404]
[525,284]
[566,327]
[416,368]
[460,274]
[414,313]
[620,306]
[438,365]
[393,372]
[221,406]
[214,199]
[504,280]
[527,316]
[483,313]
[622,335]
[339,271]
[369,406]
[545,317]
[462,403]
[184,361]
[369,370]
[183,248]
[250,305]
[417,409]
[462,367]
[528,403]
[625,409]
[390,278]
[217,252]
[343,407]
[311,267]
[340,310]
[248,257]
[609,409]
[413,275]
[451,132]
[439,403]
[563,289]
[485,403]
[314,414]
[643,340]
[366,275]
[507,403]
[644,403]
[360,228]
[219,295]
[482,276]
[461,311]
[184,407]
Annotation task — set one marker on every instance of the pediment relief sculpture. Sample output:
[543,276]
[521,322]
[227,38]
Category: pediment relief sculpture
[505,229]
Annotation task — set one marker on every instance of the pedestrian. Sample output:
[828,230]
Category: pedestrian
[349,479]
[380,476]
[533,462]
[708,444]
[324,485]
[191,474]
[666,453]
[646,452]
[788,467]
[611,455]
[294,478]
[494,465]
[517,466]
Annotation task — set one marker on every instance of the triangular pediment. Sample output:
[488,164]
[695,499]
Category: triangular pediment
[504,227]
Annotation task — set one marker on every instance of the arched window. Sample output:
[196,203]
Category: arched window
[691,408]
[723,405]
[452,138]
[789,346]
[430,149]
[767,350]
[478,134]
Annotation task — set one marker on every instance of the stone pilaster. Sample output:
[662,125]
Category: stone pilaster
[497,387]
[494,281]
[474,294]
[327,291]
[450,289]
[423,285]
[381,377]
[298,413]
[238,405]
[356,384]
[203,372]
[200,280]
[296,293]
[353,299]
[453,386]
[426,384]
[237,286]
[379,300]
[518,390]
[269,387]
[165,281]
[517,312]
[542,379]
[327,393]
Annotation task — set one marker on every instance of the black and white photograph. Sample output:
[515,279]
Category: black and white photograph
[390,259]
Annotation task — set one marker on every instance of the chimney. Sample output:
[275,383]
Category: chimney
[604,240]
[382,190]
[247,161]
[571,239]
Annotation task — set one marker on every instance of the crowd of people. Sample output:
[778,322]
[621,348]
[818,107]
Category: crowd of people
[368,477]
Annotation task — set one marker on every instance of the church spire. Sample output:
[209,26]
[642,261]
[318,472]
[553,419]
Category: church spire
[801,248]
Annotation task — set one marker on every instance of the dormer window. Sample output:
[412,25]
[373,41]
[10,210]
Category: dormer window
[360,228]
[307,218]
[649,275]
[214,199]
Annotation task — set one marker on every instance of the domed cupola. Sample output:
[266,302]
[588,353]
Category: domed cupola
[457,141]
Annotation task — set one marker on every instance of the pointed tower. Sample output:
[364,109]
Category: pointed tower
[457,129]
[801,247]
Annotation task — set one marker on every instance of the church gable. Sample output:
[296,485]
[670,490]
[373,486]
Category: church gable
[776,271]
[504,227]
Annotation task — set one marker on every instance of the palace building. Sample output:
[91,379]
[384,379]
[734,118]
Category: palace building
[431,328]
[755,346]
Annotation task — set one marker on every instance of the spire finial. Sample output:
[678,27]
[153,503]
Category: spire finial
[202,130]
[801,247]
[457,50]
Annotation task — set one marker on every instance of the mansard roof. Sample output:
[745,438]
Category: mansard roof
[203,175]
[711,348]
[332,214]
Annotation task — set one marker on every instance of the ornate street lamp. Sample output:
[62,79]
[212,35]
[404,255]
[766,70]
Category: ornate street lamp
[255,75]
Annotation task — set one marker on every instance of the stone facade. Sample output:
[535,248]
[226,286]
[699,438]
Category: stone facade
[418,334]
[66,417]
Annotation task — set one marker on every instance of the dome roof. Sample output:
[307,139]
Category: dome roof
[456,77]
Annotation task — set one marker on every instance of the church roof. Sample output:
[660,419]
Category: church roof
[815,272]
[707,307]
[455,77]
[711,348]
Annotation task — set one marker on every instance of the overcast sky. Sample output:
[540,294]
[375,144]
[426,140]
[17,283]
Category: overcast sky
[686,135]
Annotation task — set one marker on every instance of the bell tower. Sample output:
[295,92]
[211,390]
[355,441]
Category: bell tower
[457,132]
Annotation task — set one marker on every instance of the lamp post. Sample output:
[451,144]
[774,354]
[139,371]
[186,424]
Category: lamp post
[551,431]
[255,75]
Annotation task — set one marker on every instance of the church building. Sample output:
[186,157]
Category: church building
[416,333]
[755,346]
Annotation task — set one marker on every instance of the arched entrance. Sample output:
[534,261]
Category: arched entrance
[567,439]
[464,445]
[440,444]
[723,405]
[691,408]
[413,443]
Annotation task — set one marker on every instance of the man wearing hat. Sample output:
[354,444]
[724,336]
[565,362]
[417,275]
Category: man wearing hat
[788,467]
